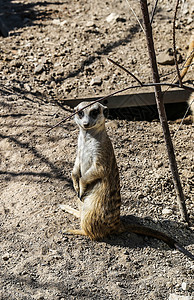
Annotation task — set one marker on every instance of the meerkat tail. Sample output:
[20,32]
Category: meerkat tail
[75,232]
[140,229]
[183,250]
[189,58]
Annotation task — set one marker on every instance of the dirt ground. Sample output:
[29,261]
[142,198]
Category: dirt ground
[55,51]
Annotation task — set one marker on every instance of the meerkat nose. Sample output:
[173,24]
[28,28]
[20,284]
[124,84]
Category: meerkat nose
[86,124]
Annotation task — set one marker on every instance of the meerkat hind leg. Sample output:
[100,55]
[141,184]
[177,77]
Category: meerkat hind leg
[74,231]
[70,210]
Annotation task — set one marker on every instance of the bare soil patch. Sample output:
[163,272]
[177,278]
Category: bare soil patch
[54,53]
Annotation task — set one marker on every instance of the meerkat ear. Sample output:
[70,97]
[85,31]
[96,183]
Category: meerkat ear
[75,108]
[105,112]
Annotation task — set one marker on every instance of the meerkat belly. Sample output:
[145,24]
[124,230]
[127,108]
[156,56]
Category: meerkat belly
[88,152]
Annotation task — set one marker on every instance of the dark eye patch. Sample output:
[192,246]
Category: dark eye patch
[80,114]
[94,113]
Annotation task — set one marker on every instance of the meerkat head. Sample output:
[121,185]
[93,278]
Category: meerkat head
[92,116]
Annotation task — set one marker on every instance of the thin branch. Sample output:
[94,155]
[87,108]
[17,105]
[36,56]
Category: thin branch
[174,43]
[124,69]
[162,113]
[185,67]
[135,16]
[153,12]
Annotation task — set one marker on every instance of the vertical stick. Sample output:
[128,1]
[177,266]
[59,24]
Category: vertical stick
[174,45]
[162,112]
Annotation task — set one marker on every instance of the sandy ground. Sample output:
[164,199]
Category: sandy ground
[42,62]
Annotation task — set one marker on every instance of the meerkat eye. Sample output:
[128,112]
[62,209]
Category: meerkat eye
[94,113]
[80,114]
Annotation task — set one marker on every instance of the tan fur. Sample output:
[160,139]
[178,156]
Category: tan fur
[191,105]
[190,56]
[96,180]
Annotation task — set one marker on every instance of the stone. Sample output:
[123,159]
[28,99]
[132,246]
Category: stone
[27,87]
[96,81]
[167,211]
[159,164]
[6,257]
[189,20]
[184,286]
[39,69]
[167,58]
[90,24]
[59,22]
[112,18]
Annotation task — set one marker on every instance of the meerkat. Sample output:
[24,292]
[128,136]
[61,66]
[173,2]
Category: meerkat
[191,106]
[96,181]
[190,56]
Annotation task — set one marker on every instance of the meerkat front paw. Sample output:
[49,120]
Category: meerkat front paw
[75,183]
[82,187]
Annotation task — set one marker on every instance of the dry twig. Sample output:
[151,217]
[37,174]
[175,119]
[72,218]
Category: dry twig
[153,11]
[162,113]
[174,44]
[127,71]
[135,16]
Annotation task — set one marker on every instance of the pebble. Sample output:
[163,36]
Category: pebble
[167,211]
[166,57]
[90,24]
[159,165]
[6,257]
[27,87]
[189,20]
[39,69]
[96,81]
[59,22]
[185,286]
[112,18]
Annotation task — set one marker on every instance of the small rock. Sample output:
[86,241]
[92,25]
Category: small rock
[185,286]
[167,58]
[112,18]
[16,63]
[183,157]
[59,22]
[140,195]
[167,211]
[178,297]
[60,71]
[159,164]
[39,296]
[90,24]
[96,81]
[6,257]
[189,20]
[185,8]
[27,87]
[53,84]
[39,69]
